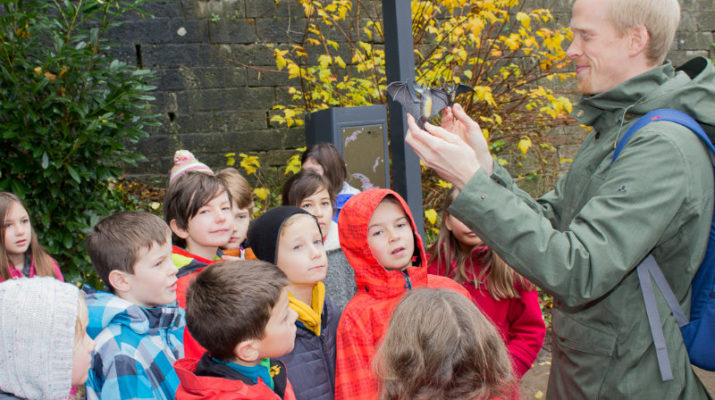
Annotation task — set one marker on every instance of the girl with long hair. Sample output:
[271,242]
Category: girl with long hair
[21,254]
[505,297]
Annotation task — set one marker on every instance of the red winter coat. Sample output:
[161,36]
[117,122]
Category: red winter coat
[189,266]
[366,317]
[518,320]
[215,386]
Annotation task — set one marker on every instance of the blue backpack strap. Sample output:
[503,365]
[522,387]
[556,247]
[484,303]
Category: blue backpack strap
[663,114]
[648,268]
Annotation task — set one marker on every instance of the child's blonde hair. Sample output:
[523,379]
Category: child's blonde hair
[497,274]
[237,186]
[440,346]
[41,259]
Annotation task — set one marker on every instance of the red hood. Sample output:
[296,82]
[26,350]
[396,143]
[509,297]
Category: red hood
[370,276]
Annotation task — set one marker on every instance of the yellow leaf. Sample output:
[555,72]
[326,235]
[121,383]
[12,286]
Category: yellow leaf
[524,144]
[431,215]
[249,163]
[155,205]
[340,62]
[539,394]
[444,184]
[524,19]
[261,192]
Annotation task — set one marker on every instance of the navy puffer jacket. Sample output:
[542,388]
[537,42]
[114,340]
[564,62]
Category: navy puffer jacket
[311,364]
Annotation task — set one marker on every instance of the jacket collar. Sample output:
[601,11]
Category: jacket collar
[106,308]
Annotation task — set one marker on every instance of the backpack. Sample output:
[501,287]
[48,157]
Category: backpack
[698,332]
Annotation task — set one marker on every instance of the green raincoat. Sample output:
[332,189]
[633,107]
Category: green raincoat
[582,241]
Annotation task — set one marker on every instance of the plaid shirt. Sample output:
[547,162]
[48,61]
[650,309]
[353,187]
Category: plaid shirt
[135,348]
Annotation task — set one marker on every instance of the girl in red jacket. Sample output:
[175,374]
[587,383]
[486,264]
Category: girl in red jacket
[440,346]
[380,240]
[509,300]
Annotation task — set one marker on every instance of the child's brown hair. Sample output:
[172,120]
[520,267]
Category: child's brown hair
[305,184]
[497,274]
[440,346]
[237,186]
[186,195]
[115,241]
[40,257]
[231,302]
[329,157]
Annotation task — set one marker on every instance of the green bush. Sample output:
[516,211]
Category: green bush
[67,112]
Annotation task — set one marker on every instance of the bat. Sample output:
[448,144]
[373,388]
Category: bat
[424,102]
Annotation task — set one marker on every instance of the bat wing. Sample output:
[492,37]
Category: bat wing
[439,100]
[400,92]
[461,89]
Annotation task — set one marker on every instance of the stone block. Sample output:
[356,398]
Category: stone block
[268,75]
[218,8]
[263,9]
[221,121]
[253,54]
[694,40]
[705,20]
[234,99]
[161,9]
[231,31]
[174,55]
[171,79]
[280,29]
[189,30]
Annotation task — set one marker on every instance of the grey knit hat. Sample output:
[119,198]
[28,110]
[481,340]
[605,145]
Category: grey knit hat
[37,329]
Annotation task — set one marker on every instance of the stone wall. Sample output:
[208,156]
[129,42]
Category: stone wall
[216,80]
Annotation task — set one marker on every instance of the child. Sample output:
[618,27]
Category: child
[20,251]
[43,339]
[137,325]
[439,346]
[325,159]
[197,207]
[510,302]
[380,240]
[238,310]
[311,192]
[290,238]
[242,205]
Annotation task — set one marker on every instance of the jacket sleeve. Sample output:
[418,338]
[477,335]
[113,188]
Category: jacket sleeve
[630,207]
[122,377]
[526,331]
[548,205]
[353,372]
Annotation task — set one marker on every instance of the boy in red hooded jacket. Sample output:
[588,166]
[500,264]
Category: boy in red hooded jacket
[380,240]
[238,311]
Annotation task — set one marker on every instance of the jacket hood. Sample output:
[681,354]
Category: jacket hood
[370,276]
[106,308]
[689,88]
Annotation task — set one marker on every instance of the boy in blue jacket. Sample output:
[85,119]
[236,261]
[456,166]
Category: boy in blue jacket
[137,325]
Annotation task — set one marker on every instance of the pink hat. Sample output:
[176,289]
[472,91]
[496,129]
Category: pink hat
[184,161]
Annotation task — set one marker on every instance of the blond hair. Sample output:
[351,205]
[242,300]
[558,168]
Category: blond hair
[439,346]
[237,187]
[496,273]
[660,18]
